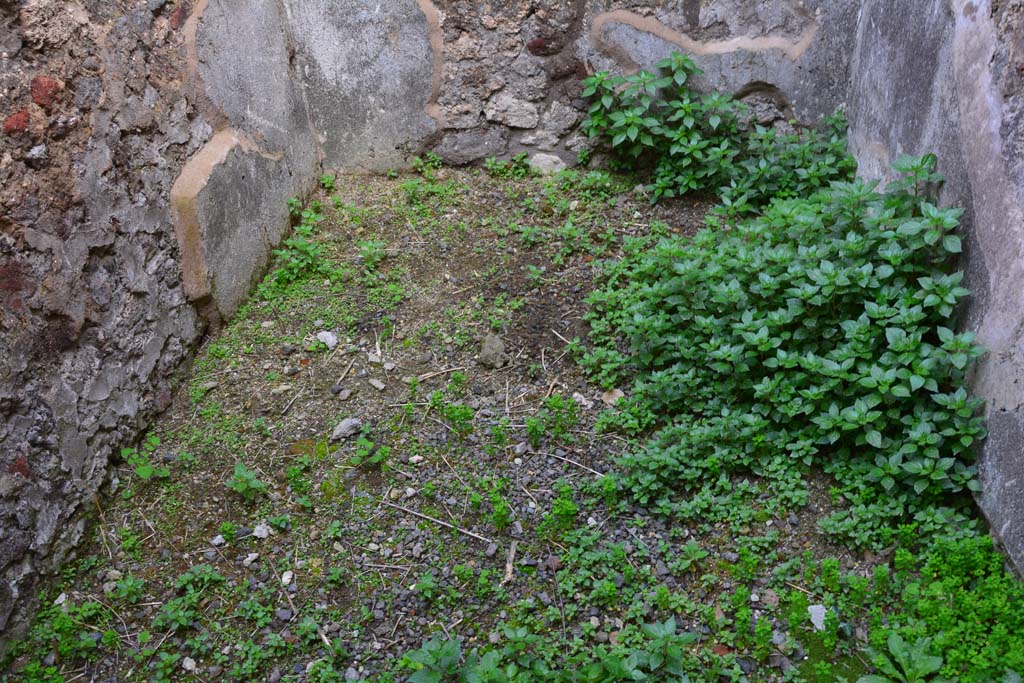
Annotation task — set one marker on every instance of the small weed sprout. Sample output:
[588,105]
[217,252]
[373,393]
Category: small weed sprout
[245,483]
[141,460]
[518,167]
[427,586]
[371,253]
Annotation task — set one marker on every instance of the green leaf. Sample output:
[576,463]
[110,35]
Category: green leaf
[425,676]
[895,336]
[874,437]
[910,228]
[952,244]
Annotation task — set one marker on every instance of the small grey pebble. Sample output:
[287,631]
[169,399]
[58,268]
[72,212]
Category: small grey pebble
[284,614]
[492,549]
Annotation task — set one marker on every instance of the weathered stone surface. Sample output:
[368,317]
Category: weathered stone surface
[492,352]
[799,49]
[242,56]
[225,229]
[463,147]
[370,71]
[94,322]
[547,163]
[511,111]
[230,201]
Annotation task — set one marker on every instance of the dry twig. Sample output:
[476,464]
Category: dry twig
[435,520]
[510,563]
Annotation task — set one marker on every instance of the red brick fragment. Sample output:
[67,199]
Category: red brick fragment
[20,466]
[180,14]
[45,90]
[17,122]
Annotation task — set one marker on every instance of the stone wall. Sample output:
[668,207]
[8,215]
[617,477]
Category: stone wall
[149,147]
[512,70]
[94,320]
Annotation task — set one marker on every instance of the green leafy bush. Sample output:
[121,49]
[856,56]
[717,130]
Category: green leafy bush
[694,142]
[969,607]
[820,333]
[660,652]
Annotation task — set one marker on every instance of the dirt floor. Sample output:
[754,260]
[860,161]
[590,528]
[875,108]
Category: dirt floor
[411,452]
